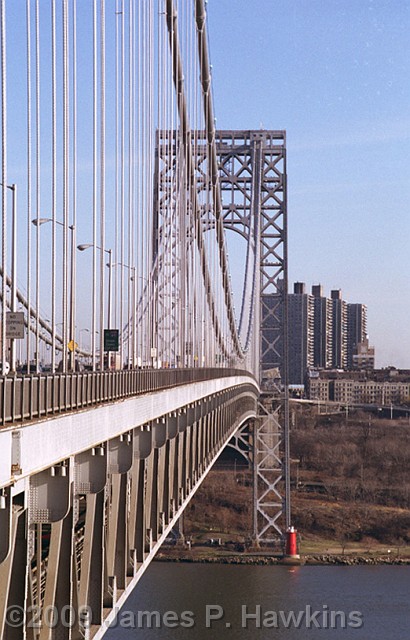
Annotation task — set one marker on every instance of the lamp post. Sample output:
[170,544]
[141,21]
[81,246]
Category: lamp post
[80,332]
[132,346]
[13,189]
[84,247]
[37,223]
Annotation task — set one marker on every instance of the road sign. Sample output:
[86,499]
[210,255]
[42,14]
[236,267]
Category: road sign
[111,340]
[15,325]
[72,346]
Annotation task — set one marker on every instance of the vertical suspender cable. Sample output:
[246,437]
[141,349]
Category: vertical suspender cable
[161,186]
[29,150]
[38,129]
[145,208]
[102,190]
[185,196]
[53,184]
[4,182]
[95,185]
[122,227]
[66,177]
[142,119]
[176,178]
[73,260]
[154,333]
[117,175]
[144,311]
[130,168]
[150,133]
[133,316]
[139,255]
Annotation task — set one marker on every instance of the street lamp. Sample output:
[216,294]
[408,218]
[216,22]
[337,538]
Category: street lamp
[132,321]
[13,189]
[37,222]
[80,332]
[84,247]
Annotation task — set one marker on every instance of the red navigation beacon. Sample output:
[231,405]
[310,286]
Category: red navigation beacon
[291,543]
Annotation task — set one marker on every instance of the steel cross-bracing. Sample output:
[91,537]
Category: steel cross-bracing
[252,182]
[252,177]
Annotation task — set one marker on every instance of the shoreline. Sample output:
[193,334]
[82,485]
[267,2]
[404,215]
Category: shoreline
[270,560]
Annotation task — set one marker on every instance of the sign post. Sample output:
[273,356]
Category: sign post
[15,330]
[111,339]
[111,342]
[15,325]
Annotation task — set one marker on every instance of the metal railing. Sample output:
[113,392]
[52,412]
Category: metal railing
[30,397]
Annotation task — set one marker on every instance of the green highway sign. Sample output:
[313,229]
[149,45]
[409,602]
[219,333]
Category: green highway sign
[111,339]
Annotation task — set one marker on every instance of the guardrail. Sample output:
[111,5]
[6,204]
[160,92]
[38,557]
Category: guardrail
[34,396]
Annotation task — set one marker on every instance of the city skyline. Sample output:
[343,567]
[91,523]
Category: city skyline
[335,77]
[326,332]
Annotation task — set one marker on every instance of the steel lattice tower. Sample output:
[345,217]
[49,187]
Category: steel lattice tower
[252,183]
[252,167]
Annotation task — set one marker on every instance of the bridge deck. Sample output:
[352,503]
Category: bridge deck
[105,406]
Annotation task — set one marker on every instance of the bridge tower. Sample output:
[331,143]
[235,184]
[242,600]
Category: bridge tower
[252,173]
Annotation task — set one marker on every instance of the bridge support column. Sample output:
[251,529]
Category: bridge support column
[90,588]
[268,473]
[90,479]
[160,439]
[116,558]
[120,457]
[59,580]
[194,450]
[171,490]
[206,437]
[13,572]
[152,499]
[140,495]
[51,509]
[162,486]
[165,486]
[188,459]
[137,516]
[181,463]
[173,475]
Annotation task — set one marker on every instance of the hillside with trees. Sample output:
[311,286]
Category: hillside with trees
[350,478]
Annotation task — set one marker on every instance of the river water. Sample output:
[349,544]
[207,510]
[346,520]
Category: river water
[206,601]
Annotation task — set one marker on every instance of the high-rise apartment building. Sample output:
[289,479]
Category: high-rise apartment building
[322,329]
[326,333]
[356,329]
[363,356]
[339,330]
[301,326]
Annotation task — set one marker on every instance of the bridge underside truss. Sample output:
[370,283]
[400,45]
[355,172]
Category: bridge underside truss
[77,540]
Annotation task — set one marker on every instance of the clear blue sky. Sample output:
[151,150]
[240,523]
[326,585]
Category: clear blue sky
[336,75]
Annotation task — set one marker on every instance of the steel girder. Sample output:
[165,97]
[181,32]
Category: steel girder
[77,539]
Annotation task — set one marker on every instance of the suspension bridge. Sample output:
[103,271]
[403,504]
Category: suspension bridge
[133,347]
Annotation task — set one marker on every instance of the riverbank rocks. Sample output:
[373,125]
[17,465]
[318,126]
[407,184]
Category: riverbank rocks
[350,560]
[321,559]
